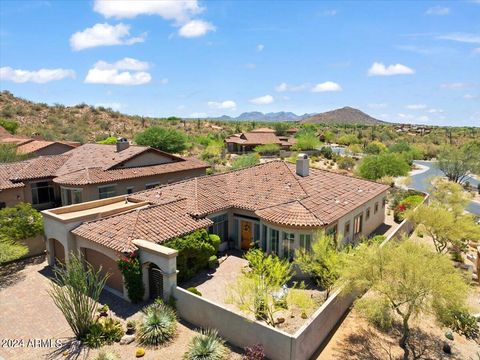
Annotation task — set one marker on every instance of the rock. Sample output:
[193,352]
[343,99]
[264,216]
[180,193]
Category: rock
[280,320]
[127,339]
[449,335]
[447,349]
[304,315]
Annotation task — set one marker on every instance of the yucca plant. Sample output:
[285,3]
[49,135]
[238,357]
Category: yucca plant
[206,345]
[158,324]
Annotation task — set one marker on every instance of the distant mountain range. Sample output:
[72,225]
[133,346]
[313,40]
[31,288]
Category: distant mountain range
[345,115]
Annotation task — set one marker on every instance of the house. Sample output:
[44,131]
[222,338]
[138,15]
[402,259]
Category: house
[277,205]
[34,146]
[247,141]
[90,172]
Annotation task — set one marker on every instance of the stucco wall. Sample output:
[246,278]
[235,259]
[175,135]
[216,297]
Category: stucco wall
[36,245]
[237,329]
[12,197]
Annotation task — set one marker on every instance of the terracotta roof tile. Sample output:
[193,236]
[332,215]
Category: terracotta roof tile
[35,145]
[289,214]
[7,172]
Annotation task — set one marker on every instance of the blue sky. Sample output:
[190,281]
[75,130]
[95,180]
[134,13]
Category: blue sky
[405,61]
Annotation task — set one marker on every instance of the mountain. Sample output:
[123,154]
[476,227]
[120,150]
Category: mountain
[271,116]
[345,115]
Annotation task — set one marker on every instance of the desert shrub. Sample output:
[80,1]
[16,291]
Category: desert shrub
[375,148]
[407,203]
[207,345]
[94,336]
[346,163]
[8,153]
[111,140]
[267,149]
[194,290]
[10,125]
[107,355]
[194,250]
[377,312]
[214,240]
[158,324]
[254,352]
[326,152]
[166,139]
[348,139]
[306,141]
[10,251]
[112,330]
[460,321]
[212,262]
[245,160]
[131,270]
[374,167]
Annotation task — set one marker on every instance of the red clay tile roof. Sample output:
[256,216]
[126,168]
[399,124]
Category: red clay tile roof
[41,167]
[7,172]
[272,190]
[35,145]
[117,232]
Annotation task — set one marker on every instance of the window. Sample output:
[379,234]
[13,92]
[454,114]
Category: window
[130,189]
[357,224]
[306,242]
[375,209]
[346,231]
[256,233]
[220,226]
[332,231]
[42,193]
[71,196]
[274,241]
[106,191]
[151,185]
[288,242]
[367,214]
[264,238]
[236,227]
[384,202]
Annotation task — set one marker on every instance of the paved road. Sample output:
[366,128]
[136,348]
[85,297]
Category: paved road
[421,182]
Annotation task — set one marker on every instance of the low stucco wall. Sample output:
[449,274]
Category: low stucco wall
[36,245]
[234,327]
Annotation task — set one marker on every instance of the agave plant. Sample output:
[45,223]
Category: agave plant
[158,325]
[207,345]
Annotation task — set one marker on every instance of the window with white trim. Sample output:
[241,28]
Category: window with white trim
[71,196]
[288,242]
[306,242]
[274,241]
[220,226]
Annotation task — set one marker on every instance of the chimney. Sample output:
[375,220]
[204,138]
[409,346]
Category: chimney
[122,144]
[303,165]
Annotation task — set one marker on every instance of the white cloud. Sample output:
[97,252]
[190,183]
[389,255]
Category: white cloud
[438,11]
[127,71]
[470,96]
[283,87]
[195,28]
[379,69]
[435,111]
[227,104]
[104,35]
[377,106]
[331,12]
[178,10]
[461,37]
[327,86]
[455,86]
[260,47]
[263,100]
[416,106]
[164,81]
[37,76]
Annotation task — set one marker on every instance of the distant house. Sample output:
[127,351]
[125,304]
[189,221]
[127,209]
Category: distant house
[277,206]
[247,141]
[35,147]
[90,172]
[292,131]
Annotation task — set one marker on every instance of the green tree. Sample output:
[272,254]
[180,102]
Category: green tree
[280,128]
[10,125]
[409,277]
[321,262]
[374,167]
[375,148]
[348,139]
[267,149]
[8,153]
[165,139]
[307,141]
[245,160]
[457,163]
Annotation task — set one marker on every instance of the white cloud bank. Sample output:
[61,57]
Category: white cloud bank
[227,104]
[416,106]
[326,87]
[37,76]
[468,38]
[379,69]
[263,100]
[180,12]
[127,71]
[104,35]
[284,87]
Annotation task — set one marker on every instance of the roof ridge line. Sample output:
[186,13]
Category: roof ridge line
[298,182]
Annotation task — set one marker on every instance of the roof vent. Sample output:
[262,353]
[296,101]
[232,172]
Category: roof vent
[122,144]
[303,165]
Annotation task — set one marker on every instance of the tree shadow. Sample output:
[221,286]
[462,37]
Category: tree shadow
[10,274]
[71,349]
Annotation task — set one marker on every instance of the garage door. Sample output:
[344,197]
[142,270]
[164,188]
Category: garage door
[109,266]
[58,252]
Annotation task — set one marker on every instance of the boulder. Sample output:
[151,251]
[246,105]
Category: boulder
[127,339]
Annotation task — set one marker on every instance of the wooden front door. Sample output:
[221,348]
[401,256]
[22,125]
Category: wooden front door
[155,278]
[246,227]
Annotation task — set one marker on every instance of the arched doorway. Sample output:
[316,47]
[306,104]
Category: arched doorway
[58,252]
[155,281]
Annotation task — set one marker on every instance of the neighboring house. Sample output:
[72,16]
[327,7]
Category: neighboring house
[91,172]
[247,141]
[277,205]
[35,147]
